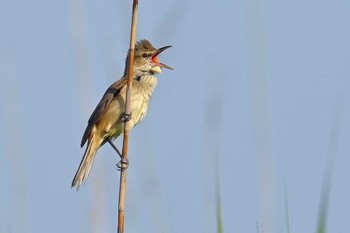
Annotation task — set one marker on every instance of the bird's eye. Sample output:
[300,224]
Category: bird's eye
[144,55]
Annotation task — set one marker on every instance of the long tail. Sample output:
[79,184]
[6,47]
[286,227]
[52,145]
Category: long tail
[86,163]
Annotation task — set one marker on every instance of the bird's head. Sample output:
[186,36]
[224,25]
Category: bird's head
[146,61]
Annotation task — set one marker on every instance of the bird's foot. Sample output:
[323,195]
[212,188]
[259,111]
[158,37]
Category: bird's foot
[126,117]
[123,164]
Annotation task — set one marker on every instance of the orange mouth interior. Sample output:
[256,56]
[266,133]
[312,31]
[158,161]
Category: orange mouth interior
[155,60]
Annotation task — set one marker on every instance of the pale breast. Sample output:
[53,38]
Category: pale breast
[142,91]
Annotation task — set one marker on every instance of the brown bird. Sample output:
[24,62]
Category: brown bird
[106,123]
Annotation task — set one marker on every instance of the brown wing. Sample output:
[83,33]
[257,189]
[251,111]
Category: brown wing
[100,109]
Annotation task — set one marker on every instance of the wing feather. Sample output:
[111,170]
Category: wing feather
[100,109]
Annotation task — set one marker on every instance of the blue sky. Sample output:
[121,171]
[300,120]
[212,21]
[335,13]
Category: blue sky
[259,96]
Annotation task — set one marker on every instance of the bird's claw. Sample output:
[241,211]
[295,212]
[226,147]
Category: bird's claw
[126,117]
[123,164]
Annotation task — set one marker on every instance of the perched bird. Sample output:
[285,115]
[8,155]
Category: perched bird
[106,123]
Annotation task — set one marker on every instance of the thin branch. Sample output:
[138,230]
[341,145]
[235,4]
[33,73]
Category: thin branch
[122,183]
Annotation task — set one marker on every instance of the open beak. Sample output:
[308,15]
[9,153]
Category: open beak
[155,60]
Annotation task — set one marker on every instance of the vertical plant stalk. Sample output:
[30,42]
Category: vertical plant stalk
[328,173]
[286,207]
[122,183]
[219,221]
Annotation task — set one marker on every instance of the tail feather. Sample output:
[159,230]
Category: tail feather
[85,164]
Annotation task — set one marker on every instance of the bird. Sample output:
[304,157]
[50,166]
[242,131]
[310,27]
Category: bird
[106,123]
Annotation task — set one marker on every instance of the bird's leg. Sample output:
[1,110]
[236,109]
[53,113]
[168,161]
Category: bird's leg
[126,117]
[123,164]
[115,148]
